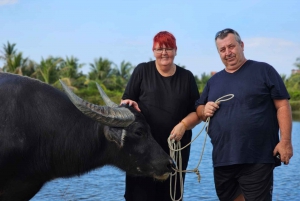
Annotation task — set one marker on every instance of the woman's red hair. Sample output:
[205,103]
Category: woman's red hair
[164,38]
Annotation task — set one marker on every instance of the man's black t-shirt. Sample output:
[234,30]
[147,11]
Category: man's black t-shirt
[245,128]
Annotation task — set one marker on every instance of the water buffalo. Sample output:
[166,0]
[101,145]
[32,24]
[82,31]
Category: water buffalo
[47,134]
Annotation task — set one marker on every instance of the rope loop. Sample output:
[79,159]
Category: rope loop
[175,153]
[225,98]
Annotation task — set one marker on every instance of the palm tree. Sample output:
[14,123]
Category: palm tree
[125,70]
[30,68]
[69,67]
[9,51]
[7,54]
[121,75]
[69,70]
[101,71]
[15,64]
[47,70]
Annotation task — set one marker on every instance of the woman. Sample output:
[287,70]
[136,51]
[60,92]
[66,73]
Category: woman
[165,93]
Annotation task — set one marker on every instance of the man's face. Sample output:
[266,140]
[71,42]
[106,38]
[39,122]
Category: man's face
[231,52]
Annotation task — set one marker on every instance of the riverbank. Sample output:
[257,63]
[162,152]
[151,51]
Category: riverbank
[296,115]
[295,105]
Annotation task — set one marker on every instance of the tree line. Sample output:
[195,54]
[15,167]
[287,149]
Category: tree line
[112,77]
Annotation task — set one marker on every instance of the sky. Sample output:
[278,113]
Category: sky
[123,30]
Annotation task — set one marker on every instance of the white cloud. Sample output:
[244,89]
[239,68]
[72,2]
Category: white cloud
[5,2]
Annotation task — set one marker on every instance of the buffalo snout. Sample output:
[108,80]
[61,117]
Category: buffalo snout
[171,166]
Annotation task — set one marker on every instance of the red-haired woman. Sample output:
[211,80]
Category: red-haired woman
[165,93]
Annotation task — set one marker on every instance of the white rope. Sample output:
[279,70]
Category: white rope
[175,153]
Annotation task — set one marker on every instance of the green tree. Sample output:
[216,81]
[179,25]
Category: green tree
[293,82]
[297,64]
[101,71]
[201,82]
[121,75]
[125,70]
[13,62]
[29,68]
[70,67]
[48,70]
[9,51]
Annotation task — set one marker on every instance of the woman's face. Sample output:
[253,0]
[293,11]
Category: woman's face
[164,56]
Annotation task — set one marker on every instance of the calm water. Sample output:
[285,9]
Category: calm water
[107,183]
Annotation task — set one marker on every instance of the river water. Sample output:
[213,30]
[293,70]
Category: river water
[107,183]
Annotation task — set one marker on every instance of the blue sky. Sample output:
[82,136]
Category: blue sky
[123,30]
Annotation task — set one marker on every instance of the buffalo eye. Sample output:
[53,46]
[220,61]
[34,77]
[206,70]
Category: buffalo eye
[139,132]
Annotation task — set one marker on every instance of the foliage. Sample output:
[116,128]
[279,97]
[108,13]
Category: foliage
[294,94]
[297,64]
[293,82]
[48,71]
[13,62]
[111,77]
[202,81]
[101,70]
[295,105]
[69,68]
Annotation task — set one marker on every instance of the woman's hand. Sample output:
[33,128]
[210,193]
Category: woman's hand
[178,132]
[131,103]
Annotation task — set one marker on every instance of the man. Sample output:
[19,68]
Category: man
[244,129]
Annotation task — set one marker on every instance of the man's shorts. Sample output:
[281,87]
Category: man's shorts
[254,181]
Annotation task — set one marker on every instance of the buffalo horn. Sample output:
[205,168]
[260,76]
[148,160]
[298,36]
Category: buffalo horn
[110,116]
[105,98]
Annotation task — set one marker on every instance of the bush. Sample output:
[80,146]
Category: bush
[295,95]
[295,105]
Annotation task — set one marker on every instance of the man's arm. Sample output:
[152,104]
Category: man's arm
[284,116]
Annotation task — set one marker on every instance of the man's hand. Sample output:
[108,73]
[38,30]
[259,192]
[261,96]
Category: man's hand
[208,110]
[285,149]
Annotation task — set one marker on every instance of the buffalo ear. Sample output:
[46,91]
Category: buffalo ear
[116,135]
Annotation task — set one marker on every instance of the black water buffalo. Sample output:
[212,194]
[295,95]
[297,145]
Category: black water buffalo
[46,134]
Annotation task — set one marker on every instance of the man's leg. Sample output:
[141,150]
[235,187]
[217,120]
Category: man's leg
[226,183]
[256,181]
[240,198]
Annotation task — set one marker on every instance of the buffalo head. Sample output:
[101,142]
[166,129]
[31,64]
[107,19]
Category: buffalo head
[130,145]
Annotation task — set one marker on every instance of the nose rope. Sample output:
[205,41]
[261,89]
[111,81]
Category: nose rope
[175,154]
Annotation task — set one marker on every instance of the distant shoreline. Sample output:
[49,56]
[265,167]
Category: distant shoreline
[296,115]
